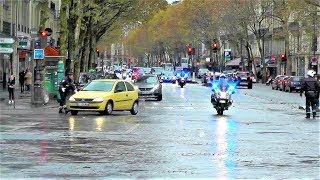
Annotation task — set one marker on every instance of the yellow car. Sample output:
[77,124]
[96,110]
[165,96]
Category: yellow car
[105,96]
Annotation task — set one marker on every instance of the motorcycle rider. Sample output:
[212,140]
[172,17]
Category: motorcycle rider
[223,84]
[311,87]
[66,85]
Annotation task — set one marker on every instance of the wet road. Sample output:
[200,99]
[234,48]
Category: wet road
[263,135]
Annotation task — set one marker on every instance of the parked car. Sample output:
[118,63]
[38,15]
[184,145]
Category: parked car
[277,81]
[293,83]
[105,96]
[283,82]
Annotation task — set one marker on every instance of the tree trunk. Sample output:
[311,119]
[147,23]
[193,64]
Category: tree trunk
[63,29]
[260,43]
[287,50]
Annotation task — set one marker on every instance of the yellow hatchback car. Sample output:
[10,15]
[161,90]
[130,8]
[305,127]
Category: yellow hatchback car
[105,96]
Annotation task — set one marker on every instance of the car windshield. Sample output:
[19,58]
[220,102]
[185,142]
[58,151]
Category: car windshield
[243,75]
[148,80]
[99,86]
[158,70]
[297,78]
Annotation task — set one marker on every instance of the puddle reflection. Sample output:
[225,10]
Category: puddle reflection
[225,140]
[99,123]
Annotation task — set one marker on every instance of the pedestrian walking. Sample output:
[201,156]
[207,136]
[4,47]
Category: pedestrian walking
[65,88]
[28,79]
[11,87]
[21,80]
[311,87]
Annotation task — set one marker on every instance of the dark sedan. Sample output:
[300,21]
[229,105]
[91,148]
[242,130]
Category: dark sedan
[149,87]
[293,83]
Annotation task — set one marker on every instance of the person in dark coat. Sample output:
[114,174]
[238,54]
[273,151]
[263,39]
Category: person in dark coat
[11,87]
[311,87]
[22,75]
[66,85]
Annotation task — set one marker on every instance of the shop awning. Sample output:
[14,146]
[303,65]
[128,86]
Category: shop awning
[51,51]
[236,62]
[233,62]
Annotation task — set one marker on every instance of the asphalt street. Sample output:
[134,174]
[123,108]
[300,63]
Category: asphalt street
[263,135]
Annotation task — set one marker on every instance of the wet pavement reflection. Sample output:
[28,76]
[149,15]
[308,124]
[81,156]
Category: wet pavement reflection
[179,137]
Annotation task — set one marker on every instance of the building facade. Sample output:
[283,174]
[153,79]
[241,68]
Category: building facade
[17,19]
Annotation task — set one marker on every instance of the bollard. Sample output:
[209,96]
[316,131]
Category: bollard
[193,77]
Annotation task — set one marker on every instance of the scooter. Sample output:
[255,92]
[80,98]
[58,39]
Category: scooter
[221,99]
[182,82]
[269,81]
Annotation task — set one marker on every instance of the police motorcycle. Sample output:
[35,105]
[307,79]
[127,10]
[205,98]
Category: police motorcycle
[181,78]
[221,97]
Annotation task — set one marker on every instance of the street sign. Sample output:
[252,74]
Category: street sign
[6,40]
[227,54]
[6,50]
[38,54]
[5,45]
[23,43]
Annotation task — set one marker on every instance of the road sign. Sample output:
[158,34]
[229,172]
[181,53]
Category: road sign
[227,54]
[38,54]
[6,50]
[5,45]
[6,40]
[23,43]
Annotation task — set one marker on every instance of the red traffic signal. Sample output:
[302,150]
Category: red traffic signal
[215,46]
[98,52]
[283,57]
[189,49]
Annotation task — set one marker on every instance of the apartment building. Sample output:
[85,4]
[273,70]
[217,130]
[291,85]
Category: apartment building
[17,18]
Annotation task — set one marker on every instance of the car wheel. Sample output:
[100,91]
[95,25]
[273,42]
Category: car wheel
[109,108]
[159,98]
[134,109]
[272,88]
[74,112]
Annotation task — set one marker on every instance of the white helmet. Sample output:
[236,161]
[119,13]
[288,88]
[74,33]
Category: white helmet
[311,73]
[222,75]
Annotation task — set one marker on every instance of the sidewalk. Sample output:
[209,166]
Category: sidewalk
[23,100]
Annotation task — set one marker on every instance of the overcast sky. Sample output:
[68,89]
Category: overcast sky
[170,1]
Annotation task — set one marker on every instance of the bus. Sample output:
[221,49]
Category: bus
[184,63]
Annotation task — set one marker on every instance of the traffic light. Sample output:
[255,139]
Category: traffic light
[98,52]
[215,46]
[189,51]
[283,57]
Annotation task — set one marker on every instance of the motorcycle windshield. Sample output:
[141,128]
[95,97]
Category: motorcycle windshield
[223,95]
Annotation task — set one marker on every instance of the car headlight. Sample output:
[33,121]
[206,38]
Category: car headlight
[71,99]
[156,87]
[99,99]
